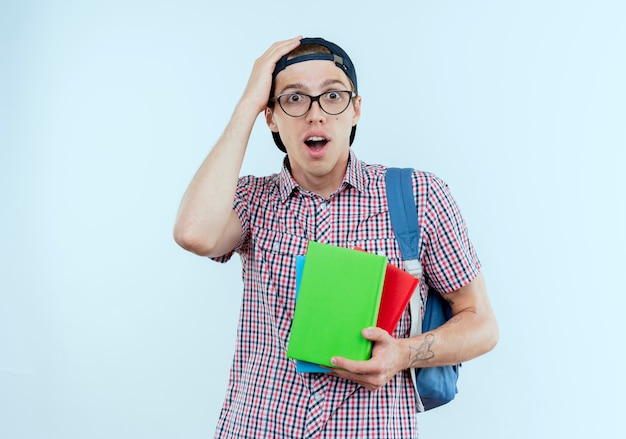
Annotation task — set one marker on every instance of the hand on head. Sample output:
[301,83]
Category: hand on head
[260,82]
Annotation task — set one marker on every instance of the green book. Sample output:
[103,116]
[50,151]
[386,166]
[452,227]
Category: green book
[339,296]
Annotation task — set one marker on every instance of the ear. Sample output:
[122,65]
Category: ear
[269,120]
[357,109]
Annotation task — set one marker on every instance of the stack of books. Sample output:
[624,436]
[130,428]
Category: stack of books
[341,291]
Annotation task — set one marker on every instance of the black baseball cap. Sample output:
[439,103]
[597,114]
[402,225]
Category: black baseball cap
[337,55]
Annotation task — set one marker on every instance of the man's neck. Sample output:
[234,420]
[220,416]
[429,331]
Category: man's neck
[323,185]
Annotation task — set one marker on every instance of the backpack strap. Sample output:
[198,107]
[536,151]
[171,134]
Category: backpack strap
[403,220]
[403,213]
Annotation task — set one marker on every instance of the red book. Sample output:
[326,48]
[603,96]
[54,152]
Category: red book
[397,291]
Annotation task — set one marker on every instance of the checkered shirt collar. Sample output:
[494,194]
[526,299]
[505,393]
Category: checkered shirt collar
[354,177]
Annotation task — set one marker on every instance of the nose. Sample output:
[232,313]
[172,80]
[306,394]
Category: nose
[315,113]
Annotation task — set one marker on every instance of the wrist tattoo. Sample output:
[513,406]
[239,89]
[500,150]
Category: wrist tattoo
[423,352]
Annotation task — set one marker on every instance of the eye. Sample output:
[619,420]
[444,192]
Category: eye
[332,96]
[293,98]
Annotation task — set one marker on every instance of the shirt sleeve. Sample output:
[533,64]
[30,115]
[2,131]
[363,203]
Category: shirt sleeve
[448,257]
[240,206]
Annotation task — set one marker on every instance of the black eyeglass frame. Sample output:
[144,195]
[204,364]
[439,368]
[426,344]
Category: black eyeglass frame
[316,99]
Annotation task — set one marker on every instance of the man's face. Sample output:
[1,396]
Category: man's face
[317,143]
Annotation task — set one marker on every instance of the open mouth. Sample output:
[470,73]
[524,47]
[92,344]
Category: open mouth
[316,142]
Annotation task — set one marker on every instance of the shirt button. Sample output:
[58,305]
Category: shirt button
[324,206]
[318,397]
[276,247]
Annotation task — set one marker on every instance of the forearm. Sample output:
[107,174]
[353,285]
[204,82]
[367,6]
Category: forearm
[206,207]
[462,338]
[471,332]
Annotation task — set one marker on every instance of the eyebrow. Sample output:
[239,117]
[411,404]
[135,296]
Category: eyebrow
[301,86]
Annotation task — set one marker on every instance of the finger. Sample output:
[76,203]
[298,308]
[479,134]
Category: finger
[352,366]
[260,80]
[281,48]
[375,334]
[267,62]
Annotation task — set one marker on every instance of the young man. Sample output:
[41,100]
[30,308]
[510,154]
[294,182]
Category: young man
[322,193]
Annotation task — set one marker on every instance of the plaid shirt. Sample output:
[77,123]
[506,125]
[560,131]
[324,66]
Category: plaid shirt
[266,397]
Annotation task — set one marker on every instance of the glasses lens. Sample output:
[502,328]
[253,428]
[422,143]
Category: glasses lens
[335,102]
[294,104]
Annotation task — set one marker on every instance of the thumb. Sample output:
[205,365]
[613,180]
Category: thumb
[375,334]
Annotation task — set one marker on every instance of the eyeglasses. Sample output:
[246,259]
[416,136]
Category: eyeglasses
[332,102]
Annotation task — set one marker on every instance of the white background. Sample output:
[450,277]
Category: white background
[109,330]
